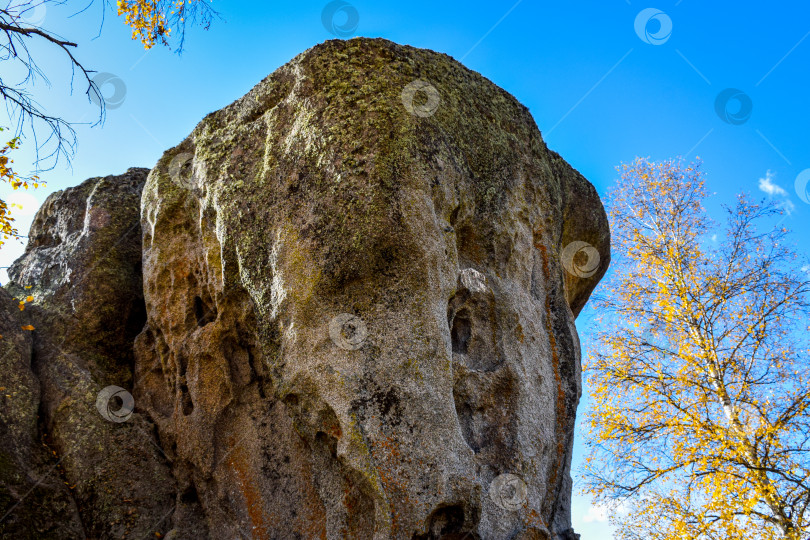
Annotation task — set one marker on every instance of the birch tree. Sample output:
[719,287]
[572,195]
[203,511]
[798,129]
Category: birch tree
[699,377]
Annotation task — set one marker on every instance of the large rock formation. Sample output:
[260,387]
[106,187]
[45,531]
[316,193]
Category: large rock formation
[360,282]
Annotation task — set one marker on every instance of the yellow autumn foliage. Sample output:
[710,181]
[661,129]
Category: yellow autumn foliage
[152,21]
[700,424]
[10,176]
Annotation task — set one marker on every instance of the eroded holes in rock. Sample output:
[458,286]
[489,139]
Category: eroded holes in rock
[291,401]
[446,523]
[466,420]
[189,495]
[185,397]
[454,216]
[182,365]
[388,261]
[163,351]
[474,332]
[136,319]
[254,375]
[488,426]
[204,313]
[461,331]
[467,244]
[328,442]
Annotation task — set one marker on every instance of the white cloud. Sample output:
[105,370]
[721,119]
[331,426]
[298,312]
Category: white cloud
[595,513]
[22,204]
[766,184]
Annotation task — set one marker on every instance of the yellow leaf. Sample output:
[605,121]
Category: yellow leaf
[27,327]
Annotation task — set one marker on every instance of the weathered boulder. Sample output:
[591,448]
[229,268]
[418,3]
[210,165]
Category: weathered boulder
[82,264]
[355,319]
[361,307]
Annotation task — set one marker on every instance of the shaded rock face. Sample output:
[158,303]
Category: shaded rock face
[82,265]
[33,503]
[359,284]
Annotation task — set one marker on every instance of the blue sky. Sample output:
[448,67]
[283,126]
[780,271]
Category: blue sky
[600,92]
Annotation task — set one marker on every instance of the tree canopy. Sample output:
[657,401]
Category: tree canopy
[699,425]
